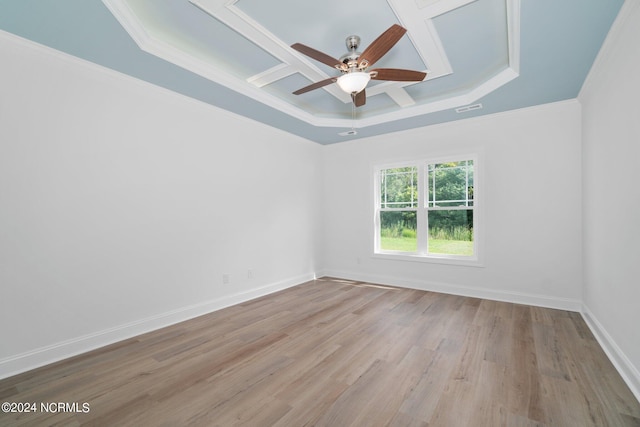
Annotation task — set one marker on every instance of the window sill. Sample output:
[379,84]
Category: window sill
[399,256]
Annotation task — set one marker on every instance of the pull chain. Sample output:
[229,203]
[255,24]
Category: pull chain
[353,115]
[353,130]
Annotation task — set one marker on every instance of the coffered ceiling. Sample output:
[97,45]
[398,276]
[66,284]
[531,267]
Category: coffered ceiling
[480,56]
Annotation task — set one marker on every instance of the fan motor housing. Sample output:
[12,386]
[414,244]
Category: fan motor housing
[352,43]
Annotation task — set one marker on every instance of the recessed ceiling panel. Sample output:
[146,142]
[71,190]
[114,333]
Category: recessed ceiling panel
[475,37]
[195,33]
[324,25]
[476,48]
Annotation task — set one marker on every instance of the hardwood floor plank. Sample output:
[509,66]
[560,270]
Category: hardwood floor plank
[355,406]
[339,352]
[403,420]
[434,375]
[524,398]
[455,406]
[550,352]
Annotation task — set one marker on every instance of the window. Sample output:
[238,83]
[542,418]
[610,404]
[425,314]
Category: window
[426,209]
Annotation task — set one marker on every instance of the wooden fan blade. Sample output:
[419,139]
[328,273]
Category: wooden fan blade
[360,98]
[397,75]
[381,45]
[316,85]
[317,55]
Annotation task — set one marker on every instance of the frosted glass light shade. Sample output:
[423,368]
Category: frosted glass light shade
[353,82]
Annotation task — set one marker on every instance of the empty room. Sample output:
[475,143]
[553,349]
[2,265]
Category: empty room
[364,213]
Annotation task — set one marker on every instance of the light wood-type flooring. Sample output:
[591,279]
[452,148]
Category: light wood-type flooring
[339,353]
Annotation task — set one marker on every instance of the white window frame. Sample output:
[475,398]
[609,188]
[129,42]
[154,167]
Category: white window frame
[422,254]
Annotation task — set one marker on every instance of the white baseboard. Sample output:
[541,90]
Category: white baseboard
[467,291]
[53,353]
[627,371]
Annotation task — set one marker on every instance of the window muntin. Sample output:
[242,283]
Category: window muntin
[450,184]
[427,209]
[399,188]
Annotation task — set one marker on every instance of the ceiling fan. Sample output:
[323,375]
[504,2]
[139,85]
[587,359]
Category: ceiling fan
[354,65]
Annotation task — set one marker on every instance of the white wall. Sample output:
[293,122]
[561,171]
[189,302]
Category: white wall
[531,196]
[611,151]
[122,205]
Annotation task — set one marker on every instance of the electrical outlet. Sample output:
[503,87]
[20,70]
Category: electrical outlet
[226,279]
[250,273]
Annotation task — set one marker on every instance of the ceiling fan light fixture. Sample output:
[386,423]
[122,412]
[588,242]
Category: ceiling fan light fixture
[353,82]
